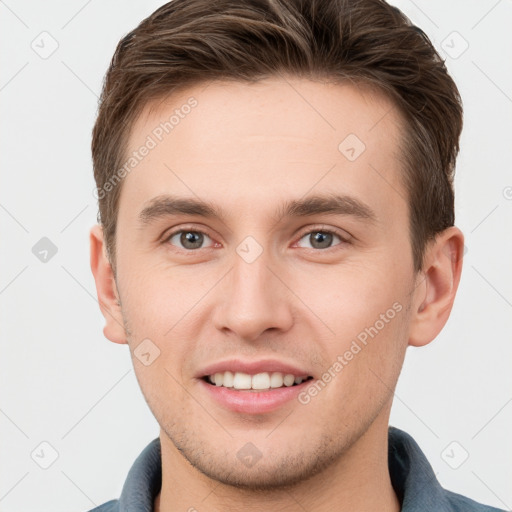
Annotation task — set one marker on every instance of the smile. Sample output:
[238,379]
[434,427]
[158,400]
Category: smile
[262,381]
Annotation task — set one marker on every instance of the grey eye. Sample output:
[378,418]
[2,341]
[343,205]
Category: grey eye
[320,239]
[188,239]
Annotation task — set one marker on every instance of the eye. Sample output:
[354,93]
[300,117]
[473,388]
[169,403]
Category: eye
[321,238]
[193,239]
[188,238]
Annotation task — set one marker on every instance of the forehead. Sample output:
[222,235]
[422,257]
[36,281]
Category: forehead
[293,107]
[249,143]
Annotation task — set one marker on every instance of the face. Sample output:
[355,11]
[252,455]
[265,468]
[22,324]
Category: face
[297,262]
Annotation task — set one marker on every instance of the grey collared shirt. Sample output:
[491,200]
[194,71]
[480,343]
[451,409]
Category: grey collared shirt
[412,478]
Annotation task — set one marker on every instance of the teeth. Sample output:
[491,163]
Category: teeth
[276,380]
[261,381]
[227,380]
[218,379]
[288,380]
[265,380]
[242,381]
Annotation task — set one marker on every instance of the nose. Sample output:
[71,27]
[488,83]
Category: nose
[253,299]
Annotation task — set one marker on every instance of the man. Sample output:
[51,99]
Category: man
[276,228]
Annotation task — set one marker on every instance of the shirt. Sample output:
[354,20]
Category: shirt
[412,478]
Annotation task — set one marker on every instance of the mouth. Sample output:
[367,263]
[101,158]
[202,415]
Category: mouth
[259,382]
[253,386]
[253,394]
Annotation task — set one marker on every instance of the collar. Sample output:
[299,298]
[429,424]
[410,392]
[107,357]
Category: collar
[412,477]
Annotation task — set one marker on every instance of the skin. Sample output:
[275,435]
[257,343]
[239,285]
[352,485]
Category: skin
[247,148]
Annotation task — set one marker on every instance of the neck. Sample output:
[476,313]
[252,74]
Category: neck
[359,480]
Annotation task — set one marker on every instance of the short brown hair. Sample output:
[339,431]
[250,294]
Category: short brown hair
[186,42]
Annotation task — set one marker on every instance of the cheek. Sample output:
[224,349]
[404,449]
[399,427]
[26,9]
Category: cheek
[352,296]
[166,308]
[157,299]
[365,309]
[159,384]
[364,361]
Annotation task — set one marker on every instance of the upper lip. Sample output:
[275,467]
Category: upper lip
[252,367]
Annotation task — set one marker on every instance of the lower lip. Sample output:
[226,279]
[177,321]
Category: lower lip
[253,402]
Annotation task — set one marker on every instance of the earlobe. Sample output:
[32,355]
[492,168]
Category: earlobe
[435,292]
[106,288]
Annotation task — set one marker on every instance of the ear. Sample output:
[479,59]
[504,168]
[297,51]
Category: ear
[436,286]
[106,288]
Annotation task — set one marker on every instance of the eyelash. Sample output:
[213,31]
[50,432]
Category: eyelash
[319,229]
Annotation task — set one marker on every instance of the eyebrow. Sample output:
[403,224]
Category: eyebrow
[333,204]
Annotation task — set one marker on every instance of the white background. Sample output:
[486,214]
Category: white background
[63,383]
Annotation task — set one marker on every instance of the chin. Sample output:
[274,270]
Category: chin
[251,470]
[262,477]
